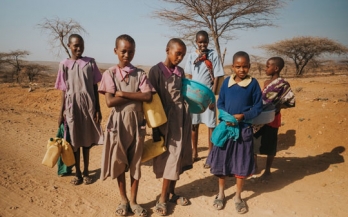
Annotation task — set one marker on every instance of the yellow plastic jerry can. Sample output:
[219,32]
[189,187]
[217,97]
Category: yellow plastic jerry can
[68,157]
[152,149]
[54,147]
[154,112]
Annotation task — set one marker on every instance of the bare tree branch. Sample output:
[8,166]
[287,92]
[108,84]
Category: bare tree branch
[58,31]
[220,18]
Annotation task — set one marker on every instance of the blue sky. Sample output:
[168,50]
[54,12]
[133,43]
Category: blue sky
[106,19]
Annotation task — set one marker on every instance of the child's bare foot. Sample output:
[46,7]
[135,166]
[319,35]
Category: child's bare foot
[265,176]
[195,158]
[76,180]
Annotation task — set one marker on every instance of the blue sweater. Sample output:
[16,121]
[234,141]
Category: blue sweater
[241,100]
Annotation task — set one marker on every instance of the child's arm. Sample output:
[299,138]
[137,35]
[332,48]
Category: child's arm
[216,80]
[97,115]
[121,98]
[61,113]
[136,96]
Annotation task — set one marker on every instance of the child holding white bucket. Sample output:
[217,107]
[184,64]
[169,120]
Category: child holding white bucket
[204,66]
[276,92]
[167,77]
[126,88]
[240,100]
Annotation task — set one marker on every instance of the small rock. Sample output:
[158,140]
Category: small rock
[320,132]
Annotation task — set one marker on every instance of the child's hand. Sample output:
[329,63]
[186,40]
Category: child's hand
[119,93]
[60,120]
[239,117]
[97,117]
[211,106]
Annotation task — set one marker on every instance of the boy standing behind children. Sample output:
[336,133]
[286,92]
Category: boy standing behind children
[204,66]
[276,92]
[166,77]
[125,88]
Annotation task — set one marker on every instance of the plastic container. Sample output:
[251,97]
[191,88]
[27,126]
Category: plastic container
[152,149]
[54,147]
[154,112]
[197,95]
[67,153]
[264,117]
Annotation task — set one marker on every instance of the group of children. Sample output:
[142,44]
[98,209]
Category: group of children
[125,88]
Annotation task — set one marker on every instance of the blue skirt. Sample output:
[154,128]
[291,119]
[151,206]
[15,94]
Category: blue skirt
[236,158]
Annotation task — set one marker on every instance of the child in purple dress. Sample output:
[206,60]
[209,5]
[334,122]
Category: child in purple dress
[80,110]
[240,97]
[166,77]
[126,88]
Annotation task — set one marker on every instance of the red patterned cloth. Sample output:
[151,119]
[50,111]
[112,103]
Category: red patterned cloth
[202,57]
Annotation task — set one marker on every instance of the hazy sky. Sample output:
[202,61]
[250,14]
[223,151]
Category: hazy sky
[104,20]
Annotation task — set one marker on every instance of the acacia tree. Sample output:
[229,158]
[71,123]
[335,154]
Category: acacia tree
[14,59]
[258,62]
[59,31]
[220,18]
[303,49]
[32,70]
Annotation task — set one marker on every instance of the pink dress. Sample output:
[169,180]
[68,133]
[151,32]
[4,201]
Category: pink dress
[77,78]
[125,128]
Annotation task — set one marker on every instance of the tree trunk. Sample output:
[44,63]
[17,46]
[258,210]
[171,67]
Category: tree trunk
[65,48]
[217,47]
[223,57]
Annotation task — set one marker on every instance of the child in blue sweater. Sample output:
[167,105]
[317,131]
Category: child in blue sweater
[240,96]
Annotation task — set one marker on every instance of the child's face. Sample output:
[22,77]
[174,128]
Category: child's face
[176,53]
[125,52]
[241,67]
[77,46]
[271,68]
[202,42]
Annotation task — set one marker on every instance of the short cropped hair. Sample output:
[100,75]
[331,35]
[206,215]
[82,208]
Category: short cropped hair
[75,36]
[175,41]
[124,37]
[278,62]
[241,54]
[202,33]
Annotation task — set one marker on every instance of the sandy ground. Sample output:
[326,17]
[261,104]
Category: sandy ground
[309,172]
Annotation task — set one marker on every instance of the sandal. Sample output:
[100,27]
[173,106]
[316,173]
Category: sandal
[87,180]
[241,207]
[76,180]
[179,200]
[138,210]
[206,166]
[218,203]
[122,209]
[161,208]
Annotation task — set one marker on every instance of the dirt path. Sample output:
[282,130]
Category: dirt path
[309,179]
